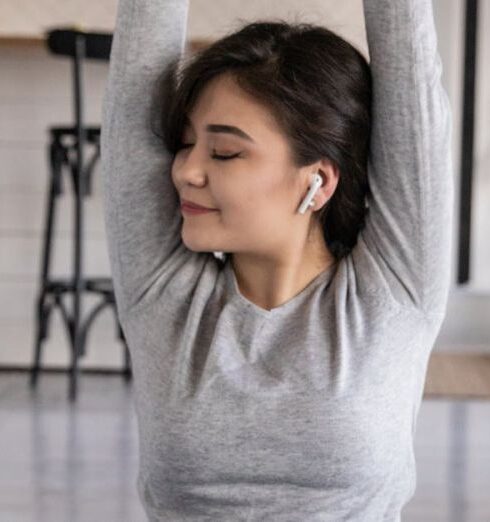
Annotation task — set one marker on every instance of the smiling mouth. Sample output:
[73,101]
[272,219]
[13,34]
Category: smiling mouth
[194,210]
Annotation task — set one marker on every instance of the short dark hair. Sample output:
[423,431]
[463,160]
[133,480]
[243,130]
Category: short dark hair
[315,84]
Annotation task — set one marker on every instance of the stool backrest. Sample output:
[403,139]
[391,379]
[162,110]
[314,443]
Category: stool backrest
[62,41]
[79,46]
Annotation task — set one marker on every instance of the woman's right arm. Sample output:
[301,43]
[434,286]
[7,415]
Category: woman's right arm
[141,204]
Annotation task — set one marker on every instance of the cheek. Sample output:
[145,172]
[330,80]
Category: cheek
[172,174]
[255,205]
[255,193]
[247,197]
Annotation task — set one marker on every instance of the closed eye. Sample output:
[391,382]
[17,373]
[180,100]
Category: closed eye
[214,156]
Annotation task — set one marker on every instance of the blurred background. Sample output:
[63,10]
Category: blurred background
[42,442]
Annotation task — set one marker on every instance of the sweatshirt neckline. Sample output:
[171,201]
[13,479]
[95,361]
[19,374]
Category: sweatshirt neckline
[243,301]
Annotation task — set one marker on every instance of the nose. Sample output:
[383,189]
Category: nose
[190,167]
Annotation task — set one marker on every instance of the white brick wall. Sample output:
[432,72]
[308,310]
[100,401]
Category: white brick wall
[35,93]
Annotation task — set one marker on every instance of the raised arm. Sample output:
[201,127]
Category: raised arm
[409,228]
[141,204]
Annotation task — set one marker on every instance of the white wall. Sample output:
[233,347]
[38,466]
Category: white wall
[206,18]
[35,93]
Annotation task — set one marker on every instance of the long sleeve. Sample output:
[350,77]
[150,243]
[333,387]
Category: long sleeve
[141,203]
[409,227]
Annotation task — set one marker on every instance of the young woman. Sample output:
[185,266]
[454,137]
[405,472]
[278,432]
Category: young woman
[282,380]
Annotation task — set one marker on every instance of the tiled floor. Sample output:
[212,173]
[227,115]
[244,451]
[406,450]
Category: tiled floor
[61,462]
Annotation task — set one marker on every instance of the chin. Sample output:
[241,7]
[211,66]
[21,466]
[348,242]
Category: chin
[196,246]
[197,242]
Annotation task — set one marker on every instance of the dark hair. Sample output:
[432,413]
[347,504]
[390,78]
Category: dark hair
[315,84]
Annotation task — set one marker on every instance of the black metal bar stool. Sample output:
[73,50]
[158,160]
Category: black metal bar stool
[66,154]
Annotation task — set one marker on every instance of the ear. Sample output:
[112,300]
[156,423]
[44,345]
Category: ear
[330,178]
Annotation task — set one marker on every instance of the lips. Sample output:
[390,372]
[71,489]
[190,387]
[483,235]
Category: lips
[190,204]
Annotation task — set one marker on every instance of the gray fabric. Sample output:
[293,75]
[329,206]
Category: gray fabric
[307,411]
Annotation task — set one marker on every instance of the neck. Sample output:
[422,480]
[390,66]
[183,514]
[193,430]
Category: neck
[269,281]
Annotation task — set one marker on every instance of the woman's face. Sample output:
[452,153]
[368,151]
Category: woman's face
[256,194]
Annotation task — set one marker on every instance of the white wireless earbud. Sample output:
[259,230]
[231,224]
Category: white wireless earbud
[308,201]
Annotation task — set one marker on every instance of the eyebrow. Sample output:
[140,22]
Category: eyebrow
[227,129]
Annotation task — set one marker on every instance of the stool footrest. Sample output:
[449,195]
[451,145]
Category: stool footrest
[91,133]
[100,285]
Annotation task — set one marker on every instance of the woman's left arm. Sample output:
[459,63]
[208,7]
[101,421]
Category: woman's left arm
[409,226]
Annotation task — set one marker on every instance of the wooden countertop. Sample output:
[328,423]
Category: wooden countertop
[21,41]
[38,42]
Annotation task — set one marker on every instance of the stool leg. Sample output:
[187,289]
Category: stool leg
[127,372]
[40,336]
[77,337]
[77,347]
[56,155]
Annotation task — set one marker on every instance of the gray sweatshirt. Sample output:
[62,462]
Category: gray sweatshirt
[306,412]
